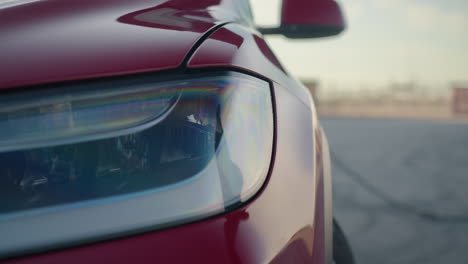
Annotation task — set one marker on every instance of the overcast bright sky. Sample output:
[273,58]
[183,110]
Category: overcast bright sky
[386,41]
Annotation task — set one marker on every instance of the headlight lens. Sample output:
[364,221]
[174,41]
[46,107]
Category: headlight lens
[151,154]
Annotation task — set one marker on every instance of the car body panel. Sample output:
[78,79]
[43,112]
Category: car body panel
[229,45]
[50,41]
[238,46]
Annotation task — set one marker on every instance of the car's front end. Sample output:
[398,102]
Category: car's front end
[143,132]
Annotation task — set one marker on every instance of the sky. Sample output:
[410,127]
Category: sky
[386,41]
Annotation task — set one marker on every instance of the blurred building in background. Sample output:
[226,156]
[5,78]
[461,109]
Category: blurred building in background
[460,100]
[312,85]
[404,99]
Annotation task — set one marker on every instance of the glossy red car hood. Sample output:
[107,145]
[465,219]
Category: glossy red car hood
[58,40]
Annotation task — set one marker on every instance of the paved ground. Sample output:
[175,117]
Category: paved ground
[408,173]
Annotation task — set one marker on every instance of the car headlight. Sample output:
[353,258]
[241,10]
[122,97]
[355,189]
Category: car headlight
[130,154]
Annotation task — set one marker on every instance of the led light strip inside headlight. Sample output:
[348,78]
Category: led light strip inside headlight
[83,163]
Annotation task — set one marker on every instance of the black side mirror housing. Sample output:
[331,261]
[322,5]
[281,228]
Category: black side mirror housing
[308,19]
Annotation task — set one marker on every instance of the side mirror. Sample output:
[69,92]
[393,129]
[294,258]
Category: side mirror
[309,19]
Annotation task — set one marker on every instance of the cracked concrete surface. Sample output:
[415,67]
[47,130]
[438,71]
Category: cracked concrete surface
[420,163]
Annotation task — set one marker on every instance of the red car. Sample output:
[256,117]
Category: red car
[160,131]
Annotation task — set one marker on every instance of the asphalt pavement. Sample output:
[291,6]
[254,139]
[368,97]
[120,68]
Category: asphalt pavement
[401,188]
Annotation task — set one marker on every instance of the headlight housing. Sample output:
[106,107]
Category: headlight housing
[101,159]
